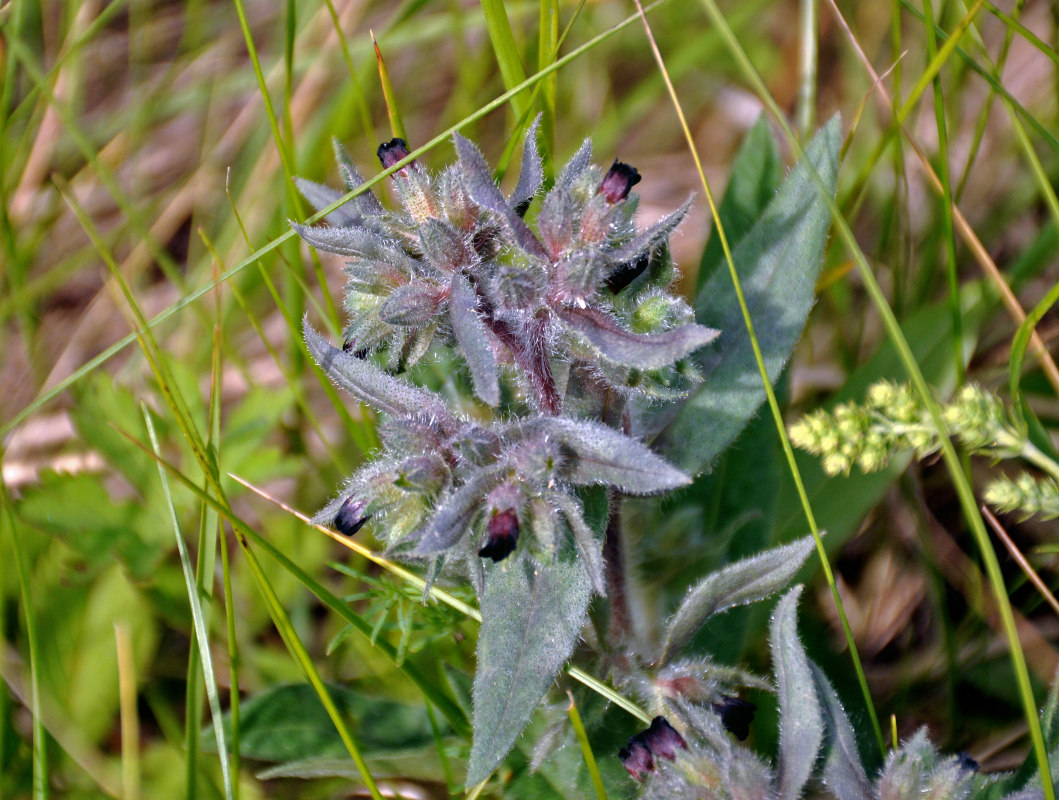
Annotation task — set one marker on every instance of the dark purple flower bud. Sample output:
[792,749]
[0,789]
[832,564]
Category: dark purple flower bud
[662,739]
[351,517]
[967,764]
[620,178]
[636,758]
[391,152]
[736,715]
[503,535]
[624,274]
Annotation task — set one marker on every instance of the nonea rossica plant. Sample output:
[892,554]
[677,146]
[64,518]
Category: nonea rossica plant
[559,315]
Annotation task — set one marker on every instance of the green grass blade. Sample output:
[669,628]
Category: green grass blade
[503,40]
[805,109]
[1020,344]
[586,748]
[50,394]
[363,112]
[946,199]
[390,96]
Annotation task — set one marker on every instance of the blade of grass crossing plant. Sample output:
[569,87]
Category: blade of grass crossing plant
[946,199]
[964,492]
[444,136]
[503,40]
[396,124]
[586,748]
[301,656]
[234,662]
[198,618]
[547,50]
[824,187]
[40,742]
[363,112]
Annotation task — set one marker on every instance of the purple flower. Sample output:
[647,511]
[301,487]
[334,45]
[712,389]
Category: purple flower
[620,178]
[736,715]
[503,535]
[636,758]
[351,517]
[661,740]
[391,152]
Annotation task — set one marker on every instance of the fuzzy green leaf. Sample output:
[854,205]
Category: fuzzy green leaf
[605,456]
[746,581]
[473,339]
[801,723]
[577,164]
[756,175]
[370,384]
[531,618]
[531,172]
[641,350]
[487,194]
[589,543]
[778,262]
[455,514]
[843,772]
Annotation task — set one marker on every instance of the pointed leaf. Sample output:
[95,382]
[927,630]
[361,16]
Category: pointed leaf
[370,384]
[320,197]
[589,543]
[605,456]
[531,619]
[801,723]
[531,173]
[367,203]
[778,262]
[455,514]
[641,350]
[577,164]
[356,242]
[657,234]
[487,194]
[746,581]
[757,173]
[473,339]
[843,772]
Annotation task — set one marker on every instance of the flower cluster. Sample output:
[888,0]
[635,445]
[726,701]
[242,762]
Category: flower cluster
[893,420]
[556,325]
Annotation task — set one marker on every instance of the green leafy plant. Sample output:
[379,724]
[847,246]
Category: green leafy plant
[573,350]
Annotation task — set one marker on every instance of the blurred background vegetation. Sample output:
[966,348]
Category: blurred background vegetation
[145,168]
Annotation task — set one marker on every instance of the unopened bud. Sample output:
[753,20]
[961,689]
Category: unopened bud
[503,535]
[636,758]
[620,178]
[736,715]
[391,152]
[351,517]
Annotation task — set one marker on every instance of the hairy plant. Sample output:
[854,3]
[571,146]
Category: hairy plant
[572,353]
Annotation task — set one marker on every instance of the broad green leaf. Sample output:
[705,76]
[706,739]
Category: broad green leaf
[288,723]
[746,581]
[801,722]
[756,175]
[778,261]
[531,619]
[843,771]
